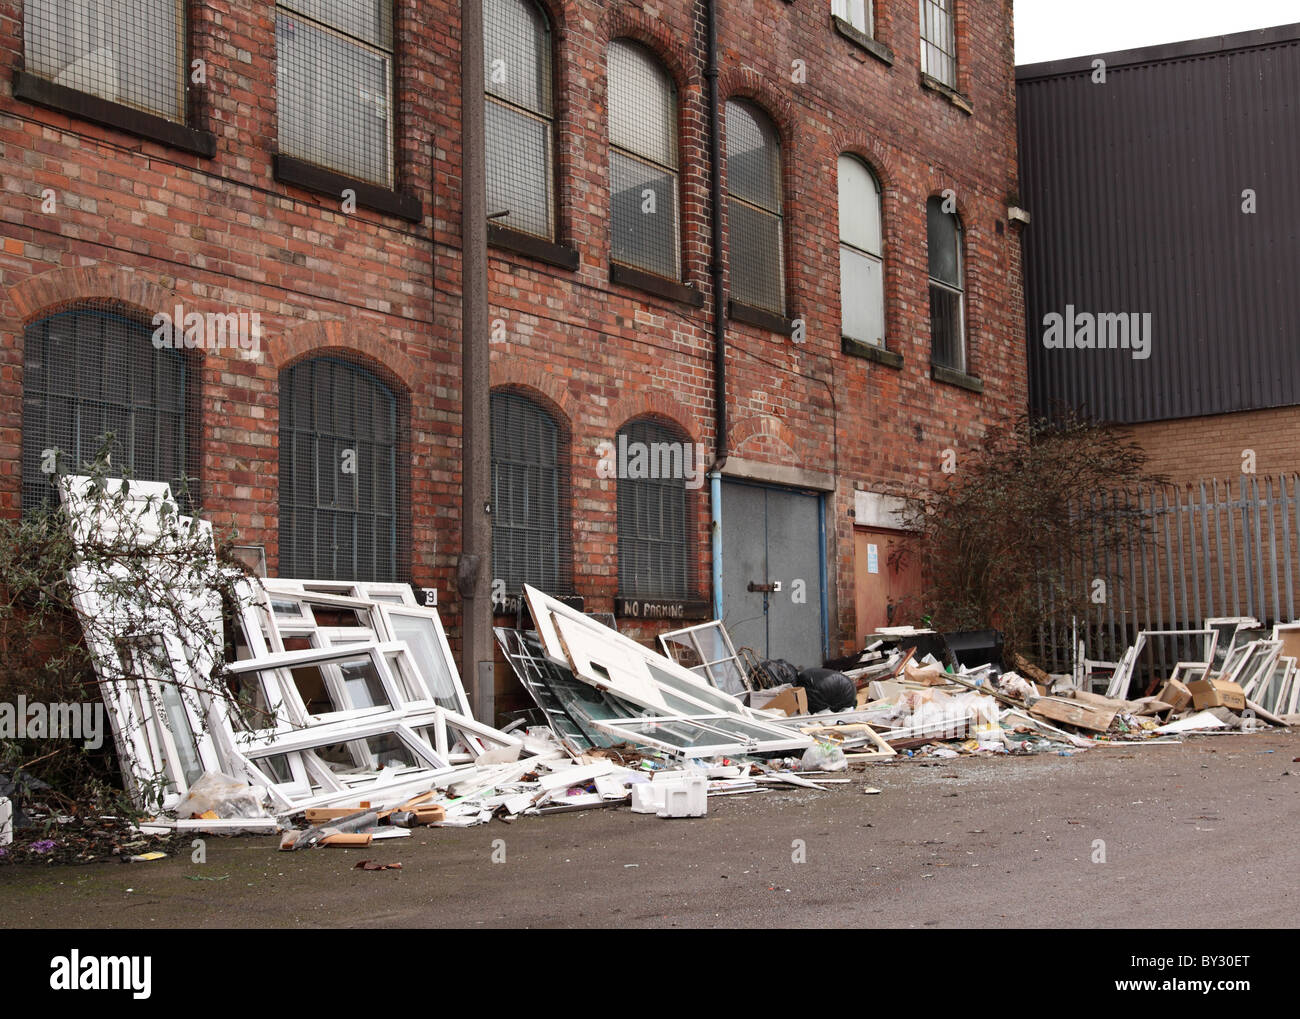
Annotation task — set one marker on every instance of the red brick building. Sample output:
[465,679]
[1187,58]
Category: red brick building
[298,164]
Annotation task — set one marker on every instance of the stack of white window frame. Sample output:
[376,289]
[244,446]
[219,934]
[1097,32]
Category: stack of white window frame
[668,707]
[374,709]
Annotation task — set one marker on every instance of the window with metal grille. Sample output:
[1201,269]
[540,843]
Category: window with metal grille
[862,280]
[93,370]
[530,497]
[642,161]
[519,117]
[343,501]
[939,41]
[126,51]
[860,14]
[654,547]
[754,208]
[334,85]
[947,292]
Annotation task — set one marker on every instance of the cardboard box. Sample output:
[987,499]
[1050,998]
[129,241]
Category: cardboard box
[792,700]
[1175,694]
[1217,693]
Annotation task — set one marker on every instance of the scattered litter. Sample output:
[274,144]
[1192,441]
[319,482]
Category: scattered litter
[371,865]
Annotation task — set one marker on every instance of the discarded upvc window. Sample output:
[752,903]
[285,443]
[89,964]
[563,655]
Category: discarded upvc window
[376,591]
[547,683]
[613,662]
[707,650]
[704,735]
[1259,666]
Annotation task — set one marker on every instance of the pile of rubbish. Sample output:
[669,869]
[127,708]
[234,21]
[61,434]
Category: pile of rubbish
[336,715]
[1230,675]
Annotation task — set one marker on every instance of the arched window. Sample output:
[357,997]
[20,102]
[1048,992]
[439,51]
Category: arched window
[754,209]
[520,118]
[530,494]
[862,280]
[654,540]
[341,498]
[947,290]
[642,161]
[334,85]
[92,370]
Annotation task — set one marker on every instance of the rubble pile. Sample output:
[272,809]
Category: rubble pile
[340,718]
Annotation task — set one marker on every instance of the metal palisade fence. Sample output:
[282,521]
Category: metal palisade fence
[1207,549]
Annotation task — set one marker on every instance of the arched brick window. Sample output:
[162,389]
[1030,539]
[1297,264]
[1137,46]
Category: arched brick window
[93,369]
[343,498]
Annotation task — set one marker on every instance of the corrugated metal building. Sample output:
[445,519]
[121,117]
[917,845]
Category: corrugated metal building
[1162,185]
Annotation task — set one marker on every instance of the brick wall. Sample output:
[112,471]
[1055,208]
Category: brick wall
[147,224]
[1219,446]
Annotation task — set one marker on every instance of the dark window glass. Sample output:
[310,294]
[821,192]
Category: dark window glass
[530,542]
[339,491]
[90,371]
[947,292]
[653,518]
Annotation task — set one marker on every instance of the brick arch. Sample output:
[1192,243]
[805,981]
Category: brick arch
[644,401]
[763,426]
[628,21]
[557,16]
[963,206]
[536,382]
[323,337]
[877,156]
[58,289]
[746,83]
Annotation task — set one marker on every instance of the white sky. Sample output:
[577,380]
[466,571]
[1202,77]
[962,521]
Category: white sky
[1052,29]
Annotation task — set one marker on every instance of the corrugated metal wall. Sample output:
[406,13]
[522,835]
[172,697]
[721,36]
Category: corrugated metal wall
[1135,191]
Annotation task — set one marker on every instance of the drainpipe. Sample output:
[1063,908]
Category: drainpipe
[719,298]
[472,579]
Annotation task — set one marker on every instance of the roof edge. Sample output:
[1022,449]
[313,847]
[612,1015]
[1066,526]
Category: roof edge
[1209,46]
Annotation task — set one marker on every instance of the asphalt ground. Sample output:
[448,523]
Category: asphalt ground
[1197,835]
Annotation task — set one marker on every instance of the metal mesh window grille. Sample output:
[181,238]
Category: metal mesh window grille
[938,41]
[343,500]
[754,208]
[334,85]
[862,282]
[858,13]
[654,546]
[642,161]
[530,492]
[126,51]
[93,370]
[519,116]
[947,293]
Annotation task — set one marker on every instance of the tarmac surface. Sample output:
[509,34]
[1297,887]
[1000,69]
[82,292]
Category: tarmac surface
[1196,835]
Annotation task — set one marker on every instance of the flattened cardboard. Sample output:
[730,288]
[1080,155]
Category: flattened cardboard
[1076,713]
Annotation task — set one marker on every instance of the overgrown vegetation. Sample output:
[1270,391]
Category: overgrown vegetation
[140,582]
[1019,523]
